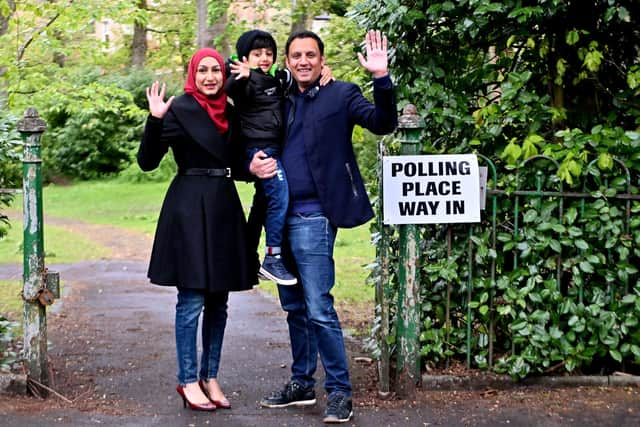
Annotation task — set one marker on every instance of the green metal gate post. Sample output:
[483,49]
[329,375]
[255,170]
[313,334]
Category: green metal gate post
[382,287]
[410,126]
[31,128]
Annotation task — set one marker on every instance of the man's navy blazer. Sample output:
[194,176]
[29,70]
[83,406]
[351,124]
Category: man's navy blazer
[330,115]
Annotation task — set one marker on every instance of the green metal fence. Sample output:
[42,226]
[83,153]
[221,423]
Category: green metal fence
[529,288]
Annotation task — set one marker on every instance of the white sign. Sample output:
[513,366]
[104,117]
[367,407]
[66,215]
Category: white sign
[431,189]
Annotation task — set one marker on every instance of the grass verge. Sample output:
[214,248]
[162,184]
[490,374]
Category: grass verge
[10,301]
[60,246]
[136,206]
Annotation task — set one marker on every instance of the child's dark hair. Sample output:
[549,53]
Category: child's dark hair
[255,39]
[261,42]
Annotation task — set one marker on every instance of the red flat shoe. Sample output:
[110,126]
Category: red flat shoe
[223,404]
[209,406]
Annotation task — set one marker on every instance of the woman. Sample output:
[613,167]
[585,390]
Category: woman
[199,245]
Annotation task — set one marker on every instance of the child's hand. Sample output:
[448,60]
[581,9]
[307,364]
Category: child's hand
[326,76]
[240,69]
[157,107]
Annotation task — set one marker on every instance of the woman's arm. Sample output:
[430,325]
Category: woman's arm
[155,140]
[153,146]
[157,106]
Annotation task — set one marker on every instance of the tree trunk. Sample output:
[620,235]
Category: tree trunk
[217,29]
[298,15]
[59,57]
[201,14]
[139,42]
[555,90]
[4,20]
[4,27]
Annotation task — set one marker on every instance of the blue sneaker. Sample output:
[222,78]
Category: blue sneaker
[273,268]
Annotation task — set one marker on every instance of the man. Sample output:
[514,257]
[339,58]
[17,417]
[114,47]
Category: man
[326,192]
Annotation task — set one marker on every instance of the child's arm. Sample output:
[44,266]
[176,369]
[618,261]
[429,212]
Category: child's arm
[286,81]
[236,85]
[241,70]
[326,76]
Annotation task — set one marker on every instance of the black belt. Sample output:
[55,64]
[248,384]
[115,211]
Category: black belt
[226,172]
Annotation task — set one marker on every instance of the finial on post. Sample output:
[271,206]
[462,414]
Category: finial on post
[31,122]
[410,118]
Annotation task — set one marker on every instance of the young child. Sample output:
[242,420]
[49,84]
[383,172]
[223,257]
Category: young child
[257,90]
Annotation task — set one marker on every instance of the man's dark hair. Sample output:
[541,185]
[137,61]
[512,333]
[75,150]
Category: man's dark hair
[304,34]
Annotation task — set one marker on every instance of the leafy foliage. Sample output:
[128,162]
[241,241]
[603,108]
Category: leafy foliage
[164,172]
[91,119]
[9,164]
[7,357]
[46,48]
[512,80]
[91,128]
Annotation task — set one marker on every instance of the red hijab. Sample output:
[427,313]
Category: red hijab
[214,106]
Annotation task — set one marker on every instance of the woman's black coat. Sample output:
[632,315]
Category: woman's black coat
[200,236]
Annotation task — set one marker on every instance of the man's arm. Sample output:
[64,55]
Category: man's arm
[263,166]
[376,62]
[382,117]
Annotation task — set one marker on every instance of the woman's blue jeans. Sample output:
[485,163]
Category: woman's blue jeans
[191,303]
[313,322]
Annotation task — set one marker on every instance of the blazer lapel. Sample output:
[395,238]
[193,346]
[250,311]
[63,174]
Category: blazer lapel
[197,123]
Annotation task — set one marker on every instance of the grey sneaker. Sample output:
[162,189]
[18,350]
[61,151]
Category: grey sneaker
[291,395]
[273,268]
[339,409]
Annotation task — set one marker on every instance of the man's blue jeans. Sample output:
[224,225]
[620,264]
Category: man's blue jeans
[276,190]
[313,322]
[190,304]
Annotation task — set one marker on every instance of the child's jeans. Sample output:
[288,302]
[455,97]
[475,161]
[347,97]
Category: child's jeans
[276,190]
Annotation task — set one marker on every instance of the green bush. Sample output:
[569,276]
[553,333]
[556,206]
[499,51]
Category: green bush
[164,172]
[92,128]
[10,164]
[138,80]
[511,81]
